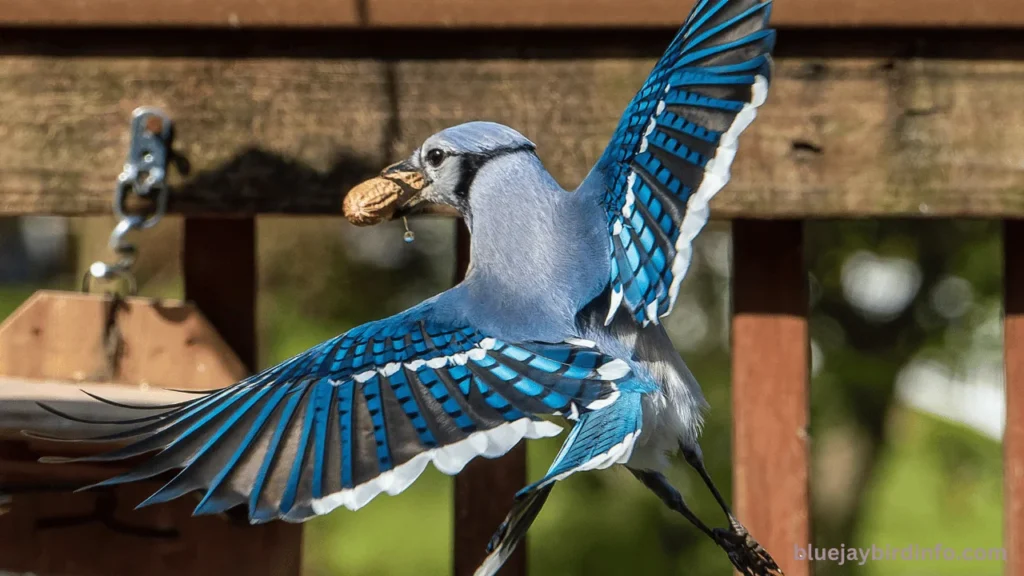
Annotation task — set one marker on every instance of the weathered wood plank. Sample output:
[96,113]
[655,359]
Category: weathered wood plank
[220,13]
[55,532]
[786,13]
[65,336]
[491,13]
[218,262]
[19,411]
[840,137]
[219,269]
[770,387]
[46,529]
[1013,438]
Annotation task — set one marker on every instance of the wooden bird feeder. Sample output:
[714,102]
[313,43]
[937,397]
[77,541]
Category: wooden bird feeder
[53,349]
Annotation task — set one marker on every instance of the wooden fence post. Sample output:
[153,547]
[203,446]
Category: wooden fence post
[219,266]
[770,365]
[485,488]
[1013,437]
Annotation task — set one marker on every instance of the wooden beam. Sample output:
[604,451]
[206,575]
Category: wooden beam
[219,267]
[770,392]
[60,532]
[19,411]
[839,137]
[492,13]
[1013,438]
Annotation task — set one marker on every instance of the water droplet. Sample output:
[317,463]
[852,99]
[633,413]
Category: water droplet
[410,236]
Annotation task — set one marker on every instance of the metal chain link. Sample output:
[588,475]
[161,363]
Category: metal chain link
[144,175]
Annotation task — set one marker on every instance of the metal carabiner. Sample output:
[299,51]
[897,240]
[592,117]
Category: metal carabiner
[144,174]
[145,168]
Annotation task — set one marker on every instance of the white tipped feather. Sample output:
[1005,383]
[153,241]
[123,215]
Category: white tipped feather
[364,376]
[617,454]
[716,176]
[436,363]
[604,402]
[391,368]
[614,307]
[613,370]
[449,460]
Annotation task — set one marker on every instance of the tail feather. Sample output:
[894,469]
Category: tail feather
[599,440]
[513,530]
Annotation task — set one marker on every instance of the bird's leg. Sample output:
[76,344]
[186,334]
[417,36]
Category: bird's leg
[657,483]
[695,459]
[746,554]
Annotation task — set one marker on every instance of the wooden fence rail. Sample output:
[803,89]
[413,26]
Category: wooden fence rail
[923,122]
[492,13]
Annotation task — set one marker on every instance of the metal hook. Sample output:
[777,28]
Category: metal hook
[144,174]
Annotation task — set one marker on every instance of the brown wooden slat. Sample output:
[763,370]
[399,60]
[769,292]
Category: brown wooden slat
[61,336]
[485,489]
[19,411]
[492,13]
[219,269]
[841,137]
[786,13]
[770,393]
[1013,437]
[218,13]
[156,541]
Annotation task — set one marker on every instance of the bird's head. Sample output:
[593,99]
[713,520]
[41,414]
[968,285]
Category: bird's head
[437,177]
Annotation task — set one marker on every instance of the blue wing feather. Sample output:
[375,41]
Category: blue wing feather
[672,150]
[362,413]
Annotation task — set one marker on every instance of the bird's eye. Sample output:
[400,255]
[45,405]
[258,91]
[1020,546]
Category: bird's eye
[435,157]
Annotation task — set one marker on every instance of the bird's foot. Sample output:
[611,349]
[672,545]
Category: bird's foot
[745,553]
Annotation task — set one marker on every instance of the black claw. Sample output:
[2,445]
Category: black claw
[745,553]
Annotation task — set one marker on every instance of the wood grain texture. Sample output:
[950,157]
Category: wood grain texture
[42,534]
[48,348]
[839,137]
[217,13]
[770,391]
[219,269]
[19,411]
[491,13]
[61,336]
[1013,437]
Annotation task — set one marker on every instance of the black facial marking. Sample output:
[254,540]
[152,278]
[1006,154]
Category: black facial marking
[471,165]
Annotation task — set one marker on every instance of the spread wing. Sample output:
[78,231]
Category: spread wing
[674,146]
[363,414]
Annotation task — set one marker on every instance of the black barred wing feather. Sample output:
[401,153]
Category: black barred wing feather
[363,414]
[674,147]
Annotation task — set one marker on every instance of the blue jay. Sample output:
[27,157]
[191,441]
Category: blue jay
[558,317]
